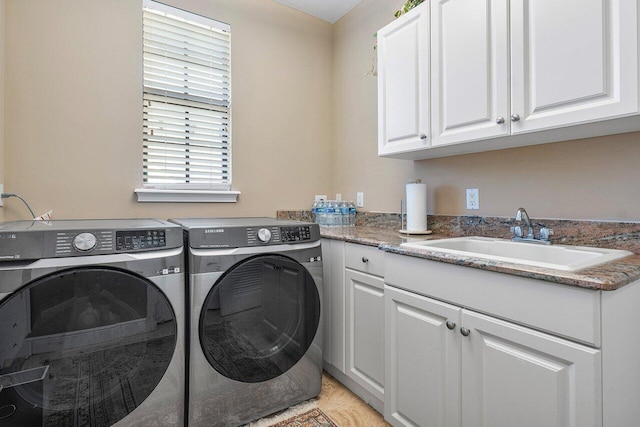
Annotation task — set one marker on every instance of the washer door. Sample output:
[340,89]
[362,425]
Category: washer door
[259,318]
[83,346]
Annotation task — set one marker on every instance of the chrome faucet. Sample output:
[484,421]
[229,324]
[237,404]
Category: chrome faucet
[522,214]
[518,235]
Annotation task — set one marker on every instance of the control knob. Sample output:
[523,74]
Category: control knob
[85,242]
[264,235]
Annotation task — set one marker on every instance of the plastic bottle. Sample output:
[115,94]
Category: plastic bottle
[331,213]
[321,212]
[344,214]
[314,211]
[352,214]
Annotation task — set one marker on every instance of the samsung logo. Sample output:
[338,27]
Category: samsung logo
[213,230]
[8,236]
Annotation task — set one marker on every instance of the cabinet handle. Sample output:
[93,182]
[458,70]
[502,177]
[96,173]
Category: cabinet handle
[515,117]
[451,325]
[365,260]
[465,332]
[423,136]
[500,120]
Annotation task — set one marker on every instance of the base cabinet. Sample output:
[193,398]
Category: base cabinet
[515,376]
[333,303]
[353,318]
[448,366]
[423,361]
[365,331]
[440,345]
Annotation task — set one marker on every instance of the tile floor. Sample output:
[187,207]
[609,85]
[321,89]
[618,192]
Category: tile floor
[345,408]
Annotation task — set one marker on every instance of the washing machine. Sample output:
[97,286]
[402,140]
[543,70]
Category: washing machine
[92,323]
[255,287]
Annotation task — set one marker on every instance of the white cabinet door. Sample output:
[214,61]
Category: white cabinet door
[422,380]
[365,331]
[333,302]
[515,376]
[573,61]
[403,83]
[469,70]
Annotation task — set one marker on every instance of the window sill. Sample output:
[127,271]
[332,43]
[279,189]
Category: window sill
[148,195]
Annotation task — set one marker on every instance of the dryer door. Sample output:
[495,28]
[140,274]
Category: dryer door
[260,318]
[82,347]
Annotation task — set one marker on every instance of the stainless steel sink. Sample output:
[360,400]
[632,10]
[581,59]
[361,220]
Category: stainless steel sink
[558,257]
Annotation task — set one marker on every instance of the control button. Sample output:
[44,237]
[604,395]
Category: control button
[264,235]
[84,242]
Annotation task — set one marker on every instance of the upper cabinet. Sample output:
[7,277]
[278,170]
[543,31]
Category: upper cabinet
[403,83]
[572,62]
[512,73]
[469,70]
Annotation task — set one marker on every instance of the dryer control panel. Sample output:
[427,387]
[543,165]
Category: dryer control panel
[230,235]
[276,235]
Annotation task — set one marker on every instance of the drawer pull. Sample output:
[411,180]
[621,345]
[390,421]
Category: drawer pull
[365,259]
[465,332]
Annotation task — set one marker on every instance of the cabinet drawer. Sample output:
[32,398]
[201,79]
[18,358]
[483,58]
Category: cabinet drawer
[368,259]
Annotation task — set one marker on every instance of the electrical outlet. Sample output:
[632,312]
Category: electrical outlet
[473,198]
[320,197]
[338,197]
[359,200]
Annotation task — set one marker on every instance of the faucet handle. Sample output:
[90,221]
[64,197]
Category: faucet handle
[517,231]
[545,233]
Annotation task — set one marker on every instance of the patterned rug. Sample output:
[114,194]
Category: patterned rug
[305,414]
[313,418]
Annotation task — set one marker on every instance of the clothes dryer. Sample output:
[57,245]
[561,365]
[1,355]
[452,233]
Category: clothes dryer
[255,287]
[91,323]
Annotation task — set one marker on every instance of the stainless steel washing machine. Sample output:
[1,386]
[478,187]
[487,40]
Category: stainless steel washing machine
[92,323]
[255,287]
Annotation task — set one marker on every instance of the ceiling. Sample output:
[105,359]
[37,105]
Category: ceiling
[327,10]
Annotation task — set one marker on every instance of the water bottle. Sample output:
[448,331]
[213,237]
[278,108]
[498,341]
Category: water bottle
[321,212]
[344,214]
[314,212]
[331,213]
[352,214]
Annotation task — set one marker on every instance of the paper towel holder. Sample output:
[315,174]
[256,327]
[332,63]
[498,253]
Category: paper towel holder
[403,230]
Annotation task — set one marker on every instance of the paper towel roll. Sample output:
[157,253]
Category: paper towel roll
[416,207]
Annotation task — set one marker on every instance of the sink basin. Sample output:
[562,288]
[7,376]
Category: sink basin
[558,257]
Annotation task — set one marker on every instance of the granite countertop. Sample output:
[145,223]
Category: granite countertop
[607,277]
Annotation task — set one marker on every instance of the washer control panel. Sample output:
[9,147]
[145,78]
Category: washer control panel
[140,239]
[73,243]
[295,234]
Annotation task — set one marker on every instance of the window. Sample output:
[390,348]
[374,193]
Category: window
[186,101]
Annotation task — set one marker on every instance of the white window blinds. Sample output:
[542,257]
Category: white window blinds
[186,100]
